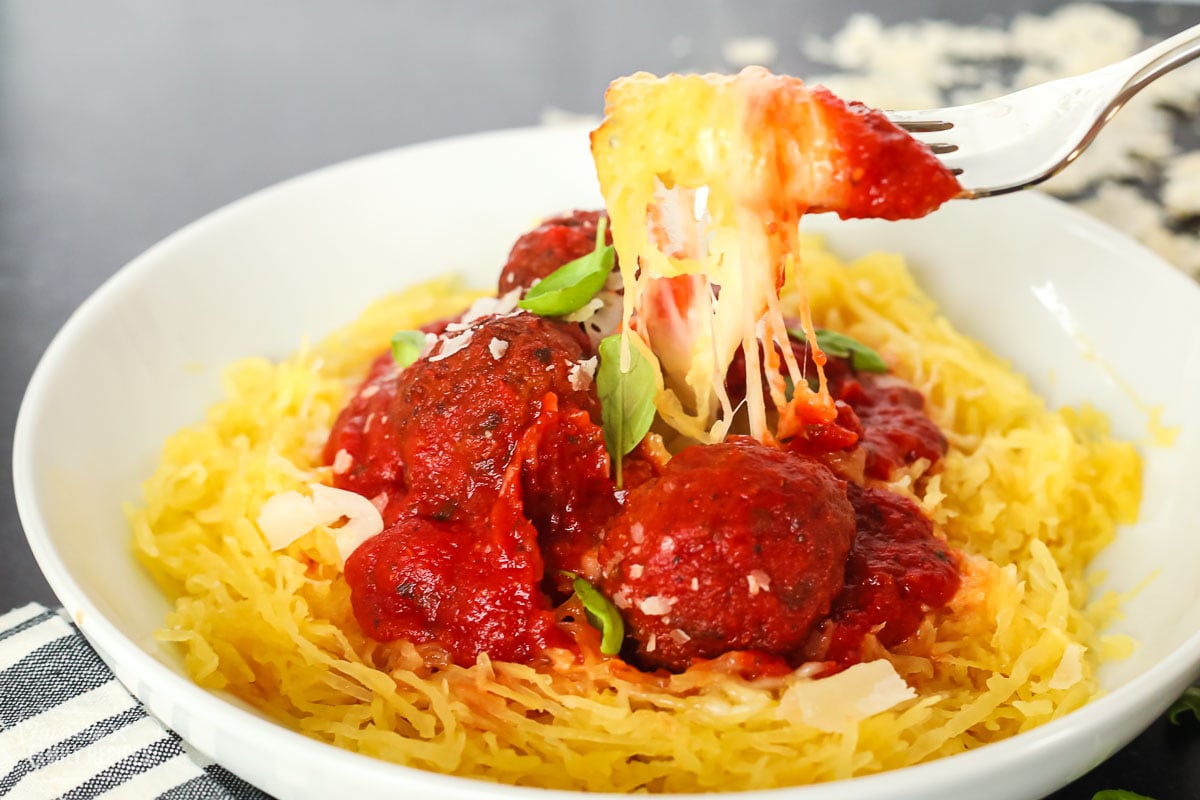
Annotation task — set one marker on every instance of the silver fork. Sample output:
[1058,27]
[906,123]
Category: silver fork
[1023,138]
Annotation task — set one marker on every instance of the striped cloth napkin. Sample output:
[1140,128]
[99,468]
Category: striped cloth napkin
[69,729]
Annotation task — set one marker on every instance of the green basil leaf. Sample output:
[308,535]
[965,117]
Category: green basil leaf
[626,399]
[601,615]
[1188,702]
[839,345]
[1119,794]
[572,285]
[407,346]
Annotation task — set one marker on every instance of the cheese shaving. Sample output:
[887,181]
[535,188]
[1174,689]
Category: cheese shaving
[582,373]
[287,516]
[758,581]
[342,462]
[497,347]
[656,605]
[838,703]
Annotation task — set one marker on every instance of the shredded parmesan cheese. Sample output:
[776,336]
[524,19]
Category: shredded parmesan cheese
[458,334]
[453,344]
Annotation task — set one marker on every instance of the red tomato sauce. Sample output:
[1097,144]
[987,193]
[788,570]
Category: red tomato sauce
[489,465]
[897,568]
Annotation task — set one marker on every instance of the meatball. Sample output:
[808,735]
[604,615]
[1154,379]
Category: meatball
[428,581]
[569,494]
[736,546]
[547,247]
[362,448]
[461,410]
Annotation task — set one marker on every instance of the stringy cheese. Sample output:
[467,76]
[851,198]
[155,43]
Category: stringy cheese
[704,199]
[1029,494]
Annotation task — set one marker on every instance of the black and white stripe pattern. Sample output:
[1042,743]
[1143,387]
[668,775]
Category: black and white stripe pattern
[69,729]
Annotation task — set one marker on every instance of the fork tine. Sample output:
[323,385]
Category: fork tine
[924,126]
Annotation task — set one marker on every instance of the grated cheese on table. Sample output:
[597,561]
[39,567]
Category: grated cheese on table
[1181,190]
[745,51]
[933,63]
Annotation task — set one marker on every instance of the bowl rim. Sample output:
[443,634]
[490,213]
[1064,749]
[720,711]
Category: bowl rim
[1143,697]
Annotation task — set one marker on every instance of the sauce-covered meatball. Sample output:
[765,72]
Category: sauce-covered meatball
[461,409]
[736,546]
[472,587]
[363,448]
[568,493]
[547,247]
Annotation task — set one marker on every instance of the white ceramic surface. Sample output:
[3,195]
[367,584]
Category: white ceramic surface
[1076,306]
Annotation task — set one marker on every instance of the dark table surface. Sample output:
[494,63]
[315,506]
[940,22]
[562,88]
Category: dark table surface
[122,121]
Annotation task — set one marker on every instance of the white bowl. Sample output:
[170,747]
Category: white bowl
[1080,309]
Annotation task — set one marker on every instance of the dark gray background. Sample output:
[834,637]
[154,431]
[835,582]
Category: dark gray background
[123,120]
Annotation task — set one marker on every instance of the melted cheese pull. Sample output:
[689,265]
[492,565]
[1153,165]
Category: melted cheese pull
[705,178]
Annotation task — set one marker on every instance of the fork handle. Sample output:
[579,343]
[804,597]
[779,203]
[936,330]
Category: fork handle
[1154,62]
